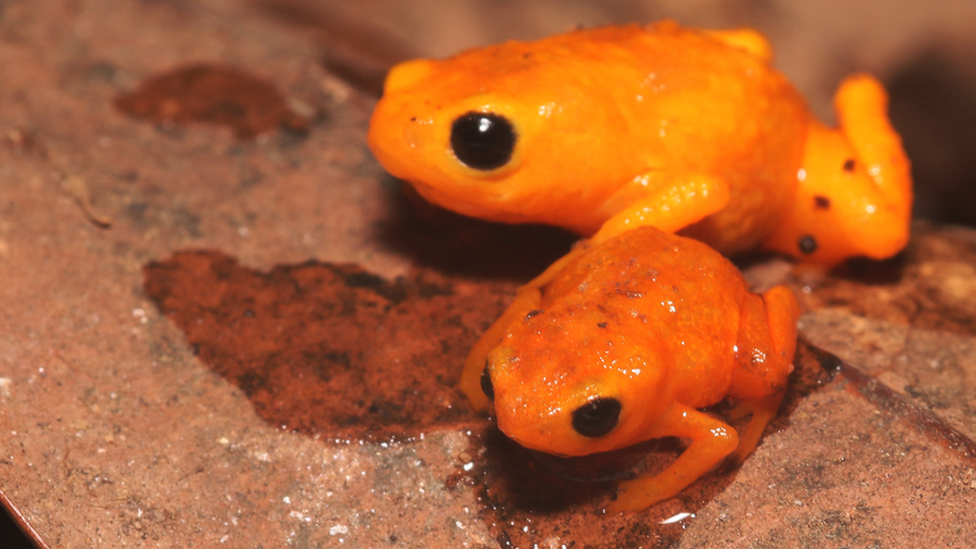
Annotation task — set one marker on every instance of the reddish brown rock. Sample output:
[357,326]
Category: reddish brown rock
[114,432]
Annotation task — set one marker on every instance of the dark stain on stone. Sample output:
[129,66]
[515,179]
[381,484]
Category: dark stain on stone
[102,71]
[326,349]
[188,221]
[136,211]
[212,94]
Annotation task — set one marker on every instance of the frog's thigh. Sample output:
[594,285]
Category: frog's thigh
[525,301]
[670,207]
[782,312]
[763,394]
[712,440]
[862,109]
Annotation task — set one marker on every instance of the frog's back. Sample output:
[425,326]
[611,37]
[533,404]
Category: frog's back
[666,292]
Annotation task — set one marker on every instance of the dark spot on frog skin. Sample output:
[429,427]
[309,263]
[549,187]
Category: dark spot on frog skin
[532,313]
[821,202]
[629,294]
[807,244]
[849,165]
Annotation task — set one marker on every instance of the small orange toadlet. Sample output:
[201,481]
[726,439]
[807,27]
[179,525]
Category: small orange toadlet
[606,129]
[625,344]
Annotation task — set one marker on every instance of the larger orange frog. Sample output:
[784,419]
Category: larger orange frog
[606,129]
[624,345]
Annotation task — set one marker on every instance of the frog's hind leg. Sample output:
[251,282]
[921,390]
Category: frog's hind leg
[525,301]
[854,193]
[861,104]
[767,342]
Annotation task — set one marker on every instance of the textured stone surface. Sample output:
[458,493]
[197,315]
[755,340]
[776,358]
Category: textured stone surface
[126,422]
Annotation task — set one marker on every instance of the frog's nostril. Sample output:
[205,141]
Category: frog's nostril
[486,383]
[597,417]
[483,140]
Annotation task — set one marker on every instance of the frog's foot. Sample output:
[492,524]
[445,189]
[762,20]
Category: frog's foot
[674,205]
[763,410]
[525,300]
[712,440]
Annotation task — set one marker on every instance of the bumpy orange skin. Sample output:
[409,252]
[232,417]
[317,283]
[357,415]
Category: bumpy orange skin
[661,323]
[671,127]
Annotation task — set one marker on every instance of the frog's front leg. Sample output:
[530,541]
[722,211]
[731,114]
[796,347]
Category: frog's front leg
[711,441]
[668,202]
[526,300]
[673,203]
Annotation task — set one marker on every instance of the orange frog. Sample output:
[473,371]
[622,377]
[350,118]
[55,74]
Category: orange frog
[625,343]
[607,129]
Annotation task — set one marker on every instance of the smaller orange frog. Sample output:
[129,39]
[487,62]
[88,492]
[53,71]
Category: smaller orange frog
[624,345]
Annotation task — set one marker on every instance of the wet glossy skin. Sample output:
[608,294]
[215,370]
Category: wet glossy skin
[679,129]
[661,325]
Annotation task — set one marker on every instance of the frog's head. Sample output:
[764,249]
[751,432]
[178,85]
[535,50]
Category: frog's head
[498,133]
[854,191]
[568,383]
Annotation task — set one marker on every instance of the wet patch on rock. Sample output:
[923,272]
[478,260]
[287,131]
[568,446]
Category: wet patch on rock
[212,94]
[329,350]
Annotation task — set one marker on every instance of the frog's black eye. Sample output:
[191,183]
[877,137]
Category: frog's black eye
[483,140]
[597,417]
[486,384]
[807,244]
